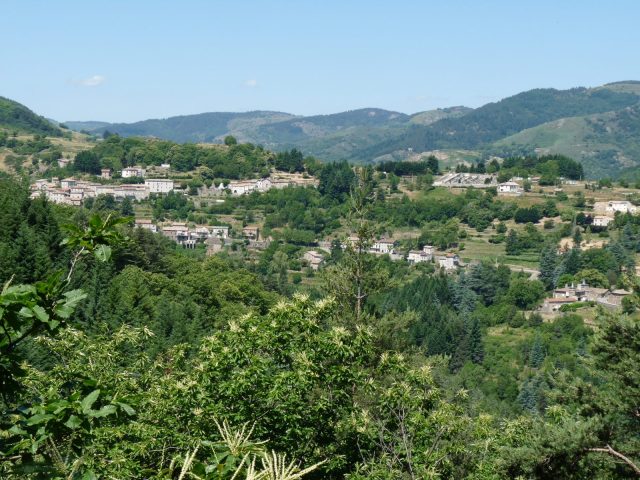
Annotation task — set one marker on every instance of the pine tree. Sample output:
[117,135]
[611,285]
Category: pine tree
[548,266]
[464,298]
[536,354]
[476,347]
[577,237]
[571,261]
[512,245]
[628,239]
[127,207]
[527,396]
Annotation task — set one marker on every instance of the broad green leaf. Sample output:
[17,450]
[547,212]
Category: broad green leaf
[39,418]
[73,422]
[89,475]
[17,430]
[41,313]
[89,400]
[103,412]
[127,408]
[103,253]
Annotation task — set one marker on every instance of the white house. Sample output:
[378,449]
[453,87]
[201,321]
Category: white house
[220,232]
[68,182]
[428,249]
[383,246]
[450,261]
[242,188]
[601,221]
[147,224]
[105,173]
[314,258]
[58,196]
[510,188]
[263,184]
[621,206]
[418,256]
[129,172]
[76,195]
[159,185]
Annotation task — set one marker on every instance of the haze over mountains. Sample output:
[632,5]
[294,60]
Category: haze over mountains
[598,126]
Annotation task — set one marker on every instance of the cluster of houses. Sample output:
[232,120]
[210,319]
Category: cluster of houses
[215,237]
[448,262]
[183,234]
[582,292]
[71,191]
[244,187]
[386,246]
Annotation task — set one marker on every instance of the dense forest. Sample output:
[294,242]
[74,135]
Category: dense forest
[494,121]
[18,118]
[123,356]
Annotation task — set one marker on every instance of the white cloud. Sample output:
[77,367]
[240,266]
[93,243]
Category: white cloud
[251,83]
[92,81]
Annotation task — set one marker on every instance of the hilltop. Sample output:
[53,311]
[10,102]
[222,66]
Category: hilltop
[606,143]
[594,125]
[16,117]
[209,127]
[509,116]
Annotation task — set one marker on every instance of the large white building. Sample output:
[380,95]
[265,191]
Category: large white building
[510,188]
[421,256]
[601,221]
[130,172]
[159,185]
[220,231]
[383,246]
[621,206]
[449,262]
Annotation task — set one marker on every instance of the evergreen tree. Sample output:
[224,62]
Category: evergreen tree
[476,346]
[549,266]
[571,261]
[464,298]
[512,244]
[629,239]
[537,353]
[127,208]
[577,237]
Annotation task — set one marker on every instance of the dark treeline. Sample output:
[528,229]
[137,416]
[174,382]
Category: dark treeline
[430,165]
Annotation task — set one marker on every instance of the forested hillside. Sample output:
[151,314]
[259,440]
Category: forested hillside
[124,355]
[204,127]
[593,125]
[15,117]
[506,117]
[606,143]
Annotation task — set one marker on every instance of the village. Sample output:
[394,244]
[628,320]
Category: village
[228,235]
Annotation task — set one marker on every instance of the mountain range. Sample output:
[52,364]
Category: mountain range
[598,126]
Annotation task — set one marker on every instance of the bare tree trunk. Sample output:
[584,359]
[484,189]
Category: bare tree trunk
[612,452]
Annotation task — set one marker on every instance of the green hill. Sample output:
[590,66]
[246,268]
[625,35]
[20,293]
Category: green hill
[203,127]
[597,126]
[329,137]
[87,126]
[495,121]
[16,117]
[605,143]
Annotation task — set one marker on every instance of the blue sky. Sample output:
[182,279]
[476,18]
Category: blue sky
[132,60]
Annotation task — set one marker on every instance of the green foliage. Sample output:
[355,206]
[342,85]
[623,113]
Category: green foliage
[17,117]
[525,294]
